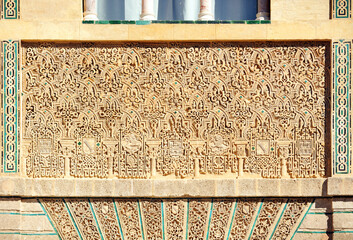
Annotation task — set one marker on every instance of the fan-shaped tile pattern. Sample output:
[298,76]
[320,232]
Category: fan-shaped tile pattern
[131,219]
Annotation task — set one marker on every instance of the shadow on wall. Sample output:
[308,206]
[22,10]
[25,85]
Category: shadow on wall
[177,9]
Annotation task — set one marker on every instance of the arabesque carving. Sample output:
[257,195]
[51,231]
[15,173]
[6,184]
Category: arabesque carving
[168,109]
[108,218]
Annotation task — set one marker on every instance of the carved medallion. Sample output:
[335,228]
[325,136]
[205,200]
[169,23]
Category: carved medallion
[131,143]
[218,144]
[262,147]
[305,147]
[45,146]
[175,148]
[88,145]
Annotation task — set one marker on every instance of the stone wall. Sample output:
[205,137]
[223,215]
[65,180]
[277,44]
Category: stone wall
[176,131]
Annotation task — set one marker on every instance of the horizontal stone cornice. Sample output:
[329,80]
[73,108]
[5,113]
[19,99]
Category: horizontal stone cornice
[25,187]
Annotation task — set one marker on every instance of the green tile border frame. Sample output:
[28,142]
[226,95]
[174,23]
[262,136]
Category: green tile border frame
[341,74]
[10,9]
[141,22]
[10,99]
[341,8]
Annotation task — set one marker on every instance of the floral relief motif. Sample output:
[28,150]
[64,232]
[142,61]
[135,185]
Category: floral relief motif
[106,217]
[128,211]
[220,217]
[130,219]
[198,218]
[266,217]
[244,213]
[292,212]
[175,214]
[176,109]
[83,217]
[152,215]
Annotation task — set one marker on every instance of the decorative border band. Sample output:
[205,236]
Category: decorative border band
[341,9]
[10,9]
[9,50]
[341,106]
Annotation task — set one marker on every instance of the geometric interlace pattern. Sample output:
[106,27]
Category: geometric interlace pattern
[138,110]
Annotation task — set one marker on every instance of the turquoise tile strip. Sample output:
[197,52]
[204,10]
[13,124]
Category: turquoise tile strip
[11,9]
[117,216]
[46,214]
[342,8]
[231,223]
[10,101]
[140,217]
[296,230]
[257,215]
[279,219]
[187,219]
[209,220]
[95,218]
[341,106]
[10,233]
[162,208]
[22,214]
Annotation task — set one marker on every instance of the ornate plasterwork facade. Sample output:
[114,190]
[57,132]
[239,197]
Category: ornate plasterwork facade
[181,110]
[148,136]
